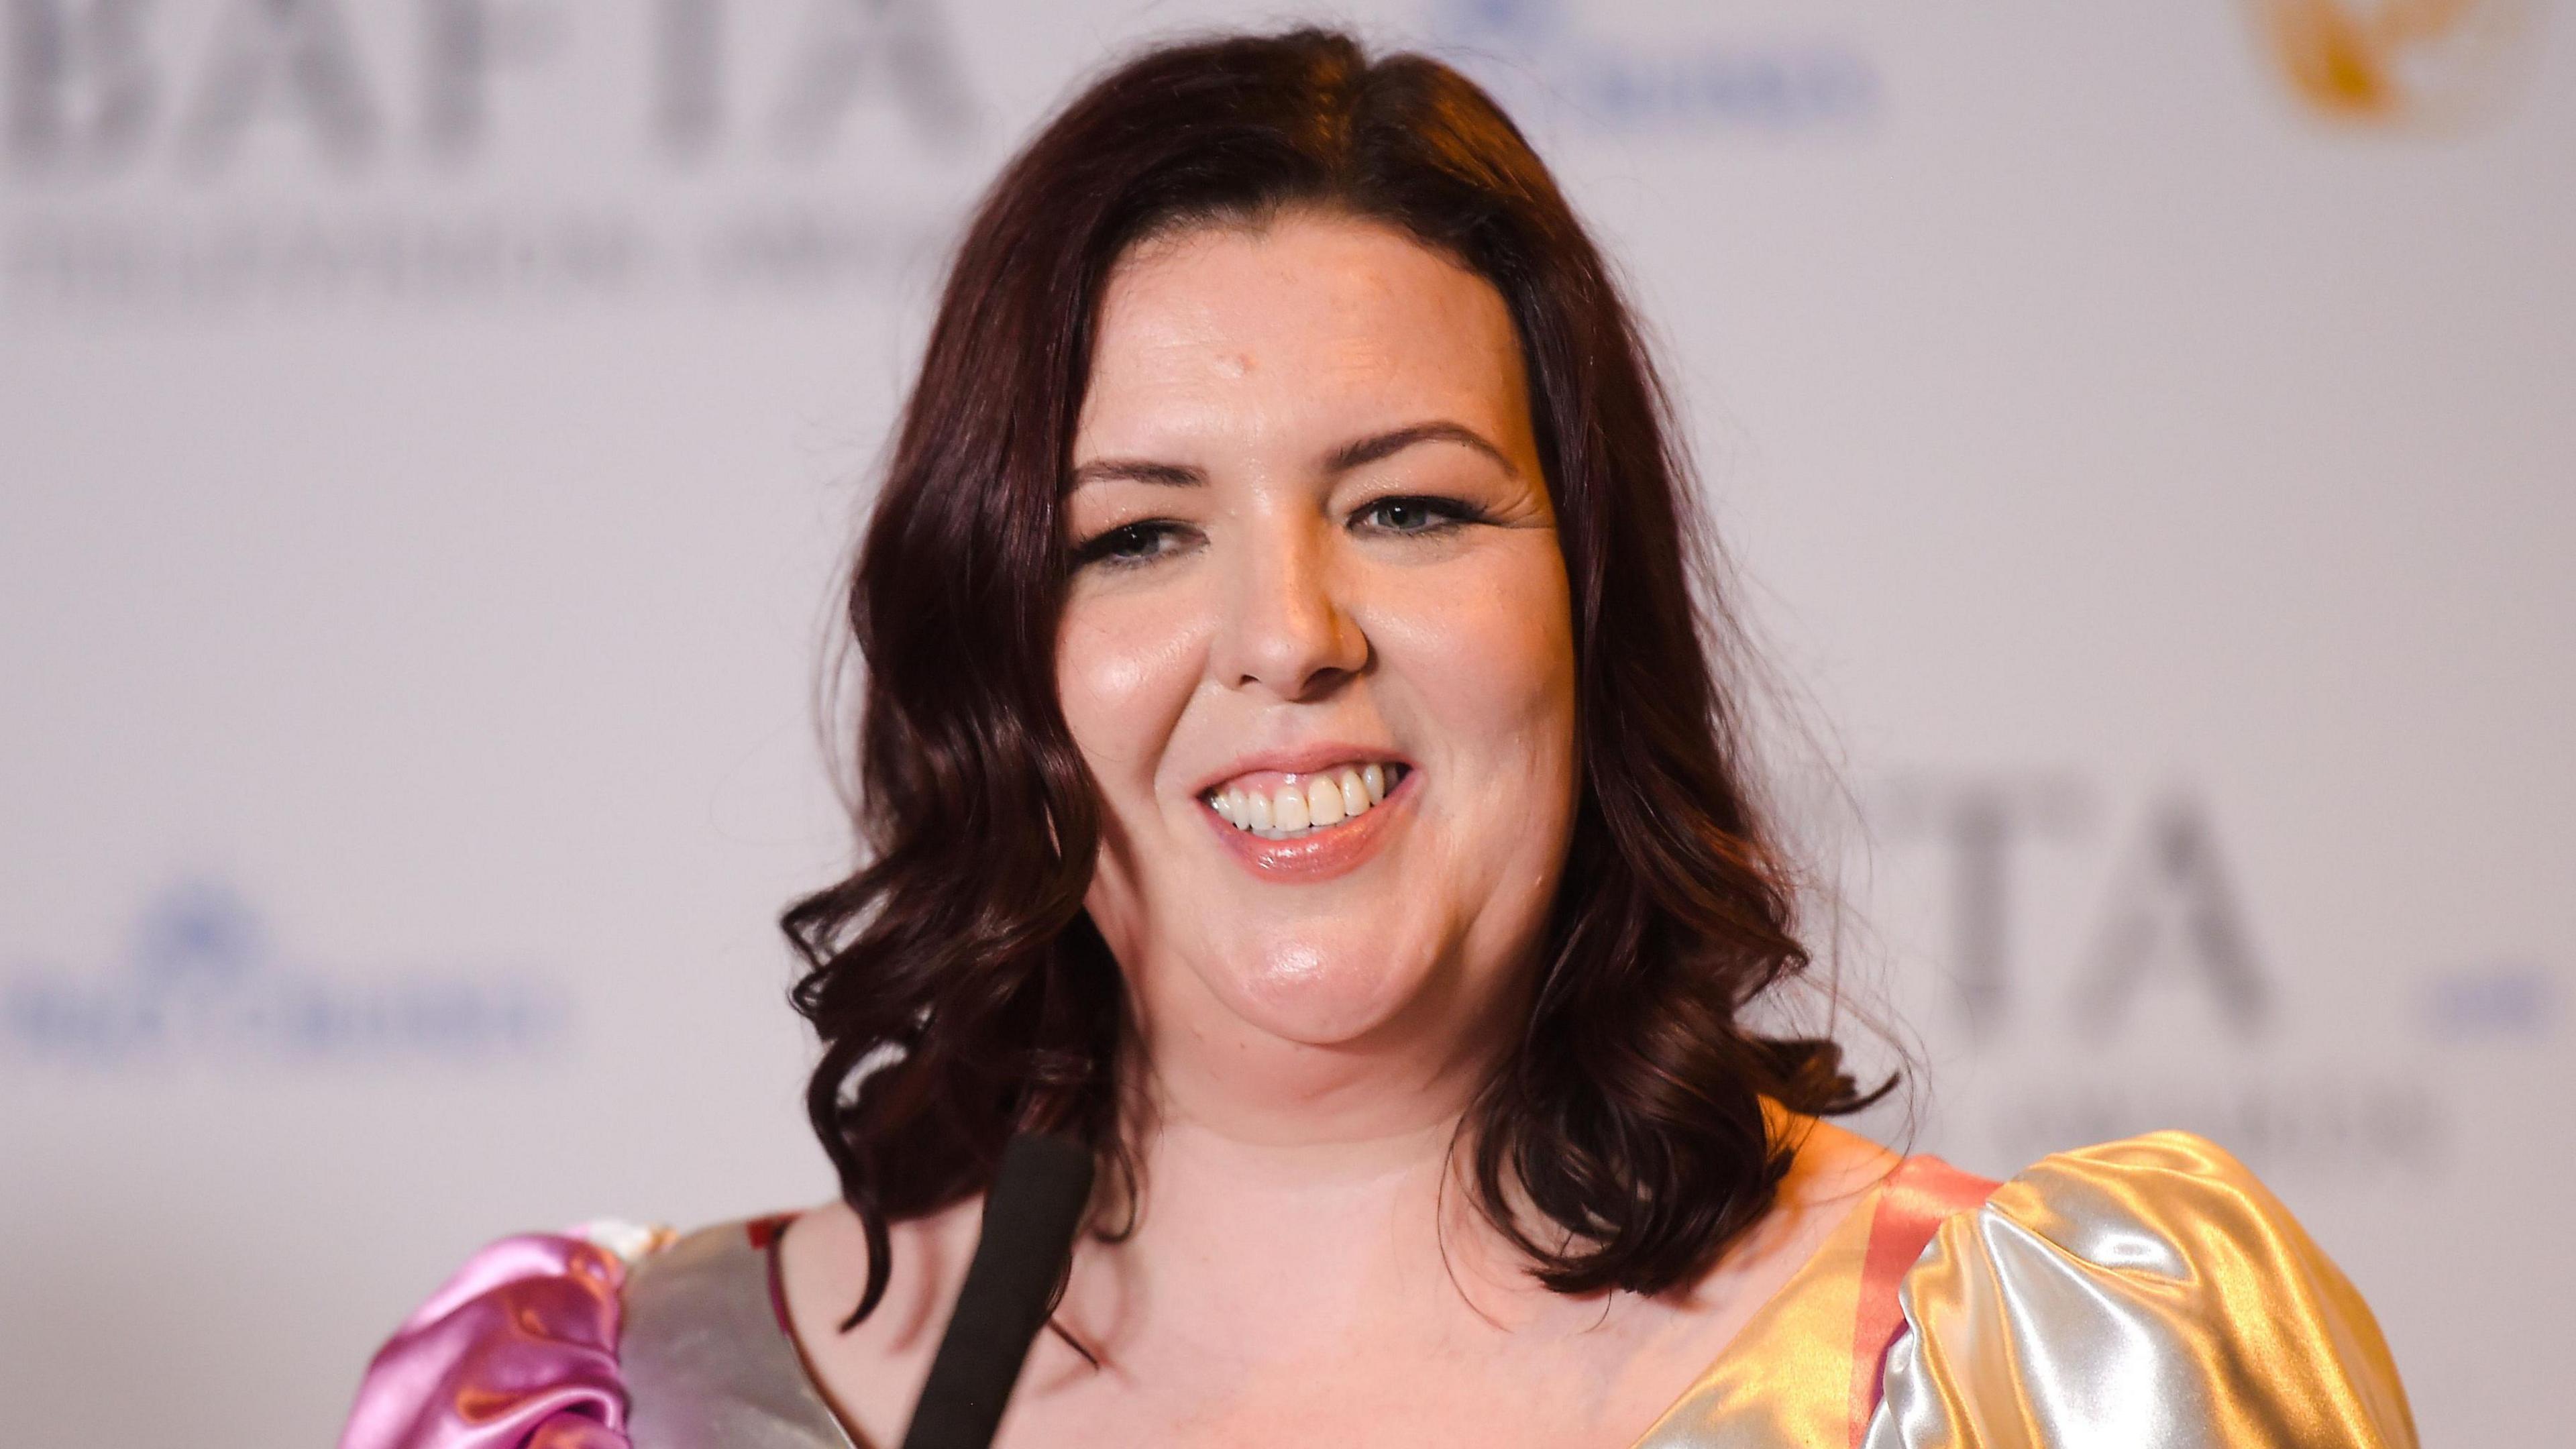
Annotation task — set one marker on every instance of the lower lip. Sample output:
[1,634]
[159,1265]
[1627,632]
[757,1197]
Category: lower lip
[1333,851]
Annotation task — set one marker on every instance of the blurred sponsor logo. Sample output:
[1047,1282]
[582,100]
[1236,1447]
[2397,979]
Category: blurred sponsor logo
[100,87]
[2501,1000]
[1535,57]
[244,152]
[2170,917]
[2395,61]
[202,982]
[2095,976]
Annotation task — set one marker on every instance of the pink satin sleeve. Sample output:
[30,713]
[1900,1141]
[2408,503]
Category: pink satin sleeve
[517,1351]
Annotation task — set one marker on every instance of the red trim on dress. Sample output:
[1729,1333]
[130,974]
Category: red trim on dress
[765,1234]
[1918,1197]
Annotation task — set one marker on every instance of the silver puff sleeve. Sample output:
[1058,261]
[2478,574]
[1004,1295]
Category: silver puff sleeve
[2145,1292]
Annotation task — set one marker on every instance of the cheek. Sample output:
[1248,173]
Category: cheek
[1490,665]
[1125,667]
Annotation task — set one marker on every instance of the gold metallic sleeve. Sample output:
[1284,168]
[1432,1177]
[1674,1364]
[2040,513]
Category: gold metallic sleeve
[2144,1292]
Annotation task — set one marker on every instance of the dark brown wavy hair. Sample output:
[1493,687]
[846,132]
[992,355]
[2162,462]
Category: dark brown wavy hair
[960,991]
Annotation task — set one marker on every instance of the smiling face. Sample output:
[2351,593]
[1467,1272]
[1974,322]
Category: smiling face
[1317,649]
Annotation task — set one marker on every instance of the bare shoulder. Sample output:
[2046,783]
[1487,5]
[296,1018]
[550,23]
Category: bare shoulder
[1833,1165]
[868,1372]
[1830,1175]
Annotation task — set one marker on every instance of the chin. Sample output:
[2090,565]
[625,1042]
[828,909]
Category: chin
[1316,992]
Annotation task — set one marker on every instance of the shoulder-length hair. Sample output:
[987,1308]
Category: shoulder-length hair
[960,991]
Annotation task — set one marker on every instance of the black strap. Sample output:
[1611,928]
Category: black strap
[1030,1217]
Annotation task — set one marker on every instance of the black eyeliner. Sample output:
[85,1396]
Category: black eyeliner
[1101,547]
[1448,512]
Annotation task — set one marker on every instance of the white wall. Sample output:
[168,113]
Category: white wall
[420,479]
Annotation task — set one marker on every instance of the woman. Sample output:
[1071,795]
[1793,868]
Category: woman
[1292,765]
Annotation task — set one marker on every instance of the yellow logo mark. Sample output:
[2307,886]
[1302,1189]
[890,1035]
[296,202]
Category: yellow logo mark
[2395,60]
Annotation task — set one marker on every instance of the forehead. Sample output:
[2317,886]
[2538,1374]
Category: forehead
[1305,323]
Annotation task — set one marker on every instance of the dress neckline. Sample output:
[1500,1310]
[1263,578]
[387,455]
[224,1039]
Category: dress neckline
[768,1234]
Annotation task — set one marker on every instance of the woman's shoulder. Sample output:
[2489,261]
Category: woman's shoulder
[2168,1205]
[610,1335]
[2134,1277]
[519,1342]
[2148,1290]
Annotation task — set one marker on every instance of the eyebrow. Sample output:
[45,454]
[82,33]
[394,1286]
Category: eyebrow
[1386,445]
[1137,470]
[1354,454]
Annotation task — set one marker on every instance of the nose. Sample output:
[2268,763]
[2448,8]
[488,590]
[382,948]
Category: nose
[1286,630]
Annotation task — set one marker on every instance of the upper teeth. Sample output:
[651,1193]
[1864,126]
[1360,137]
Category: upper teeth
[1303,804]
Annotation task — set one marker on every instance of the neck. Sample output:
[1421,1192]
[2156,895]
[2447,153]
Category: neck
[1314,1237]
[1292,1101]
[1345,1165]
[1196,1061]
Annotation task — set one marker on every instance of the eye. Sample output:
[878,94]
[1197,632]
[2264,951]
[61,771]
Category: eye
[1414,514]
[1129,544]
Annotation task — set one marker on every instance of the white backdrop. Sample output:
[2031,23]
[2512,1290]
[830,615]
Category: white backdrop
[427,431]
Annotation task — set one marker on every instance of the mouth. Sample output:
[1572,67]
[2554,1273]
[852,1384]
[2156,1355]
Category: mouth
[1298,805]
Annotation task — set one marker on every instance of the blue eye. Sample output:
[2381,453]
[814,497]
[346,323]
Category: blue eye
[1127,544]
[1411,514]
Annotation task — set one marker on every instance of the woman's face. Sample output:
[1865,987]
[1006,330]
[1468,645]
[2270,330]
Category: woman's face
[1317,649]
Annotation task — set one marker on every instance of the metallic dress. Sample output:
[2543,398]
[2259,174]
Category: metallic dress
[2146,1292]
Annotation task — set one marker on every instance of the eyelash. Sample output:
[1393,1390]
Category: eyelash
[1103,548]
[1447,515]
